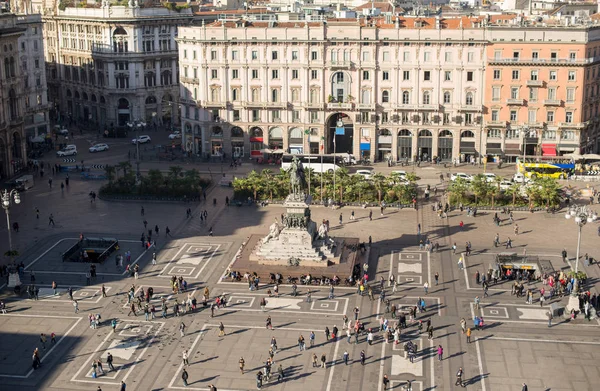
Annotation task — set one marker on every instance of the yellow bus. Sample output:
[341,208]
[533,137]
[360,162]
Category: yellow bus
[545,170]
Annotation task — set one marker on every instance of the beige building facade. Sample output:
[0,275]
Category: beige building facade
[406,88]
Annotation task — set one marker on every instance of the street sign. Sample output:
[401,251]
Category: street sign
[592,173]
[98,166]
[69,160]
[340,131]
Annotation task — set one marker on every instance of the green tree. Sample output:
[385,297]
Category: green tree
[342,179]
[380,184]
[480,187]
[254,183]
[110,173]
[549,191]
[457,190]
[411,177]
[514,190]
[125,167]
[268,182]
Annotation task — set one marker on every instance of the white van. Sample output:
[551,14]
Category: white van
[25,182]
[347,158]
[69,150]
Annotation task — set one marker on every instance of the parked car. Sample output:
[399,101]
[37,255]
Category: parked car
[505,184]
[462,175]
[399,173]
[99,148]
[174,135]
[367,174]
[69,150]
[141,140]
[489,177]
[520,178]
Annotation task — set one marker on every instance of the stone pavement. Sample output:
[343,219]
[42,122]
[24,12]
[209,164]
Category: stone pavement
[515,347]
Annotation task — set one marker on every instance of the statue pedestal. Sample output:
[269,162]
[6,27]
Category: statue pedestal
[296,243]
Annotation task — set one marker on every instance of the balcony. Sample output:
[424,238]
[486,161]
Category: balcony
[515,102]
[535,124]
[340,64]
[339,106]
[253,104]
[535,83]
[424,107]
[545,61]
[275,105]
[365,106]
[552,102]
[216,105]
[476,108]
[313,105]
[496,123]
[193,80]
[577,125]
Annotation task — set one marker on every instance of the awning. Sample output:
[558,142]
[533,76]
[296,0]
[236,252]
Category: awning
[548,149]
[567,147]
[467,150]
[513,152]
[494,151]
[365,146]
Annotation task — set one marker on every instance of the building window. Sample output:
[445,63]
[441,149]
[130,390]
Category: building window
[515,74]
[493,133]
[468,118]
[313,55]
[406,75]
[294,55]
[569,117]
[255,54]
[552,76]
[567,135]
[235,74]
[448,56]
[534,75]
[495,93]
[236,115]
[276,115]
[275,74]
[426,98]
[213,55]
[385,96]
[314,75]
[294,74]
[295,115]
[255,73]
[550,117]
[235,94]
[314,117]
[497,74]
[274,55]
[386,75]
[427,75]
[552,93]
[470,76]
[512,133]
[447,75]
[255,115]
[365,75]
[213,74]
[571,76]
[234,55]
[513,115]
[447,97]
[570,95]
[549,135]
[405,97]
[495,115]
[532,116]
[274,95]
[469,99]
[533,94]
[514,93]
[470,57]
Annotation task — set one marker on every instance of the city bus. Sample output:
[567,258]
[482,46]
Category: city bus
[318,163]
[546,169]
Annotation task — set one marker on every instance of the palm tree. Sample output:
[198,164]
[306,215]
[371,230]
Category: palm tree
[268,181]
[110,173]
[411,177]
[125,166]
[254,183]
[342,178]
[458,190]
[379,182]
[480,187]
[514,190]
[192,178]
[549,190]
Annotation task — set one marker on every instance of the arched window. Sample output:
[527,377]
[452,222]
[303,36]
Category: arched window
[216,131]
[467,133]
[6,68]
[12,67]
[405,98]
[236,131]
[385,96]
[296,133]
[165,78]
[256,132]
[314,96]
[404,133]
[150,100]
[274,95]
[426,97]
[366,96]
[255,95]
[447,97]
[13,109]
[425,133]
[384,132]
[445,133]
[469,99]
[214,94]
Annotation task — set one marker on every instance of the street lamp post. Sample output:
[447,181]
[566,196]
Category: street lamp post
[581,215]
[7,197]
[137,125]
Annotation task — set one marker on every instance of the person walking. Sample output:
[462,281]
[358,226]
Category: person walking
[323,361]
[184,377]
[109,361]
[440,352]
[345,357]
[463,325]
[242,363]
[426,287]
[386,382]
[311,338]
[184,356]
[549,314]
[43,340]
[51,220]
[363,357]
[459,375]
[468,333]
[76,305]
[437,277]
[182,329]
[221,329]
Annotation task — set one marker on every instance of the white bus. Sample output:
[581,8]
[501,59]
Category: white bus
[318,163]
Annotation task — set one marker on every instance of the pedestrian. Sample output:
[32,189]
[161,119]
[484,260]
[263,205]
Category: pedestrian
[363,357]
[168,231]
[549,314]
[184,355]
[52,339]
[370,215]
[459,375]
[345,357]
[142,210]
[103,291]
[352,215]
[477,301]
[524,387]
[43,340]
[242,363]
[51,220]
[341,219]
[323,361]
[109,361]
[437,277]
[184,377]
[426,287]
[221,329]
[311,337]
[76,305]
[461,225]
[468,334]
[440,352]
[315,360]
[123,385]
[154,258]
[516,229]
[386,382]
